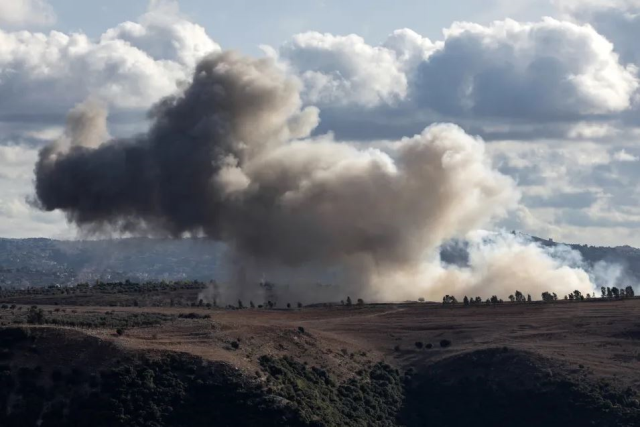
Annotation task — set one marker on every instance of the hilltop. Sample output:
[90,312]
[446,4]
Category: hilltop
[45,262]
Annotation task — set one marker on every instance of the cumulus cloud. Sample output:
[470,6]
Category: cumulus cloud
[164,34]
[17,217]
[344,69]
[549,69]
[507,79]
[26,13]
[618,20]
[129,67]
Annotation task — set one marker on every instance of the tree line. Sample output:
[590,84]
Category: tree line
[519,297]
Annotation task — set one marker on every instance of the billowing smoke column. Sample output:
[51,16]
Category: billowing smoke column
[231,158]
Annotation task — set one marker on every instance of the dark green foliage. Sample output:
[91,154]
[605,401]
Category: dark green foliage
[35,316]
[194,316]
[169,390]
[109,319]
[372,399]
[510,388]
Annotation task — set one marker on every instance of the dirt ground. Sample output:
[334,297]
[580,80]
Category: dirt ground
[598,337]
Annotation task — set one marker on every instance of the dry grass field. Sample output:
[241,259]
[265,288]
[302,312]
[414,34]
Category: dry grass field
[594,342]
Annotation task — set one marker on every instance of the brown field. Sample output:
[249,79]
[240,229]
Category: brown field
[597,338]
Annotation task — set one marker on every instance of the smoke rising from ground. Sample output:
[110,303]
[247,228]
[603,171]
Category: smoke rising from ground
[232,158]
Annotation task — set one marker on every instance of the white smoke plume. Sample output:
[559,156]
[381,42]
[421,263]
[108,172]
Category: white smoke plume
[232,158]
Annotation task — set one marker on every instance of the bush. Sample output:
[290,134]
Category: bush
[445,343]
[120,331]
[419,345]
[35,316]
[301,329]
[429,346]
[235,345]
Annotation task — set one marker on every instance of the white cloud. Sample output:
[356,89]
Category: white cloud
[130,67]
[164,34]
[552,76]
[623,156]
[26,13]
[618,20]
[346,70]
[17,217]
[549,69]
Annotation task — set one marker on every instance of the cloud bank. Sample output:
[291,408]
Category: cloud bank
[26,13]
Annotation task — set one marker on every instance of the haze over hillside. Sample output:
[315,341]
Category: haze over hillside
[44,262]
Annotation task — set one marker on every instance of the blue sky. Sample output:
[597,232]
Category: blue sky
[246,24]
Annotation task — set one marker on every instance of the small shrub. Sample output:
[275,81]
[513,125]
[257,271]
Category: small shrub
[429,346]
[301,329]
[419,345]
[120,331]
[445,343]
[235,345]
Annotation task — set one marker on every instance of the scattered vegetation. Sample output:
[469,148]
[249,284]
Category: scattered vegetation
[372,398]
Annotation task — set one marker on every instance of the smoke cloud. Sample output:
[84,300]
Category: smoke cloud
[231,158]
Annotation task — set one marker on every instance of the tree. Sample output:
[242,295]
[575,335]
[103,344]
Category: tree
[547,297]
[520,297]
[629,292]
[555,296]
[35,316]
[349,303]
[529,298]
[299,305]
[577,295]
[512,298]
[360,301]
[448,299]
[494,300]
[609,293]
[251,304]
[466,301]
[288,305]
[420,299]
[604,292]
[615,292]
[240,305]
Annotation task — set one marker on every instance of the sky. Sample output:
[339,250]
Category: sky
[552,87]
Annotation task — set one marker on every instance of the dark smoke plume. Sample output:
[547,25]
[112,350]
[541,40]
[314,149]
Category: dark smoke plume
[231,158]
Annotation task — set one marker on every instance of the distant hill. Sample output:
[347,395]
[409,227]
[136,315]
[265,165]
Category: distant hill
[44,262]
